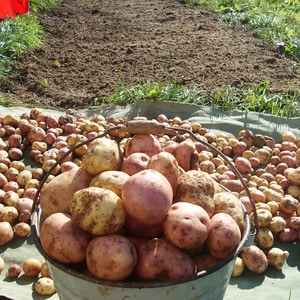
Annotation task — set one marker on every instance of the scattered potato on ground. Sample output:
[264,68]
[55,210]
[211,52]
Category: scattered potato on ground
[45,286]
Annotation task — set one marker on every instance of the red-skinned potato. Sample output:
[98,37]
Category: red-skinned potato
[254,259]
[145,143]
[183,153]
[111,257]
[58,193]
[224,236]
[187,225]
[141,230]
[147,196]
[160,260]
[135,162]
[167,165]
[204,261]
[63,240]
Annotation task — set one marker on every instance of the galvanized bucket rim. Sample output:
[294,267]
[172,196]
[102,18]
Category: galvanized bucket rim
[247,239]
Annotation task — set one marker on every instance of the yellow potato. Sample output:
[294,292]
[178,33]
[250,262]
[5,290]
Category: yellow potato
[98,210]
[45,286]
[112,180]
[109,152]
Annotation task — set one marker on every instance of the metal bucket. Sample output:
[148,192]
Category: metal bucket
[211,284]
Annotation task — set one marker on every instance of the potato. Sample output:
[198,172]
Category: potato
[141,230]
[197,187]
[227,202]
[111,257]
[243,165]
[224,236]
[288,235]
[204,261]
[160,260]
[135,162]
[8,214]
[264,238]
[23,177]
[276,257]
[238,267]
[53,200]
[2,264]
[288,204]
[143,143]
[294,176]
[187,225]
[183,153]
[147,196]
[62,239]
[98,210]
[234,185]
[254,259]
[6,233]
[45,271]
[264,217]
[32,267]
[264,155]
[277,224]
[44,286]
[108,150]
[22,229]
[166,164]
[112,180]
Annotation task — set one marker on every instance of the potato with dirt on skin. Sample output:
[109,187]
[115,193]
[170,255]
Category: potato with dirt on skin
[187,225]
[160,260]
[63,240]
[6,233]
[227,202]
[197,187]
[97,210]
[111,257]
[44,286]
[254,259]
[147,196]
[224,236]
[264,238]
[102,154]
[112,180]
[57,194]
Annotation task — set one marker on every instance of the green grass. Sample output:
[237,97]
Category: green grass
[21,34]
[17,36]
[231,97]
[274,22]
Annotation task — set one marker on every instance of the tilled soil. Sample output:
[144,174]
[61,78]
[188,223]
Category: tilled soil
[91,47]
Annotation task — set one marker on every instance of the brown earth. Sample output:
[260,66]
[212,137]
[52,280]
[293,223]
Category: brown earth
[91,47]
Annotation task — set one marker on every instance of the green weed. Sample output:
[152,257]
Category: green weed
[257,98]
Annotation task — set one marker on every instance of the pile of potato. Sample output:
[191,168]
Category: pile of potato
[145,202]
